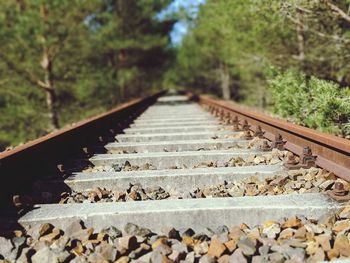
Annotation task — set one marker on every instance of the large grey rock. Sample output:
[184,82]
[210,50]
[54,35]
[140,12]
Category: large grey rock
[45,254]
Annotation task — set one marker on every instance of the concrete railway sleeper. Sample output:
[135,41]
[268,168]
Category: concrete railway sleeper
[179,181]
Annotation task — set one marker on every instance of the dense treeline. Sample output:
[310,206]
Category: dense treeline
[61,61]
[292,56]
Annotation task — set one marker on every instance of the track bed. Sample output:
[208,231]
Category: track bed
[180,184]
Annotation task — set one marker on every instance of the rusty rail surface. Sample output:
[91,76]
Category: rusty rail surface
[332,153]
[23,164]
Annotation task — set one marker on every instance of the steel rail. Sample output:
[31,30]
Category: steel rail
[23,164]
[332,153]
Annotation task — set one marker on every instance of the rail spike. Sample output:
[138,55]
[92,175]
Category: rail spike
[339,193]
[246,128]
[279,142]
[259,132]
[236,124]
[228,118]
[307,160]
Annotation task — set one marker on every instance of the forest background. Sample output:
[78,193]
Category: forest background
[62,61]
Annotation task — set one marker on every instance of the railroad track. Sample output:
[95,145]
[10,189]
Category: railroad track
[179,179]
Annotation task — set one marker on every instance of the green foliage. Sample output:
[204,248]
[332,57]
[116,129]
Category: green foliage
[85,56]
[289,93]
[301,38]
[315,103]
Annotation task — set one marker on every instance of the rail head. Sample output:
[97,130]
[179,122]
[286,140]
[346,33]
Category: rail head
[333,153]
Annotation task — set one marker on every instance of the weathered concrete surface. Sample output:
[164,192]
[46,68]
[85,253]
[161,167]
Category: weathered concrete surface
[175,110]
[195,213]
[177,129]
[175,124]
[172,116]
[166,120]
[165,160]
[172,136]
[175,146]
[182,180]
[173,98]
[190,108]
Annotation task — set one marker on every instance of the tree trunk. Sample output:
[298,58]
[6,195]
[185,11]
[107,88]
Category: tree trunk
[47,65]
[301,43]
[51,98]
[52,112]
[225,81]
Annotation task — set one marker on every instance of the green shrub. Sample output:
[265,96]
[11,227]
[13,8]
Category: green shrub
[315,103]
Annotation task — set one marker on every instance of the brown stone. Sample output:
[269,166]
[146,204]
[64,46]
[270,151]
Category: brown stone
[124,259]
[279,181]
[134,195]
[243,226]
[231,245]
[300,233]
[345,213]
[45,229]
[324,241]
[254,233]
[92,195]
[312,247]
[216,248]
[56,233]
[286,233]
[327,220]
[141,250]
[236,233]
[18,233]
[295,243]
[342,225]
[329,176]
[159,242]
[292,222]
[332,253]
[342,245]
[188,241]
[101,237]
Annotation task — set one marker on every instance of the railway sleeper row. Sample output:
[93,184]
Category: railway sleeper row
[181,185]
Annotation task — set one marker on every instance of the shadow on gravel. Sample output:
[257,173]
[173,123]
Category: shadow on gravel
[43,182]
